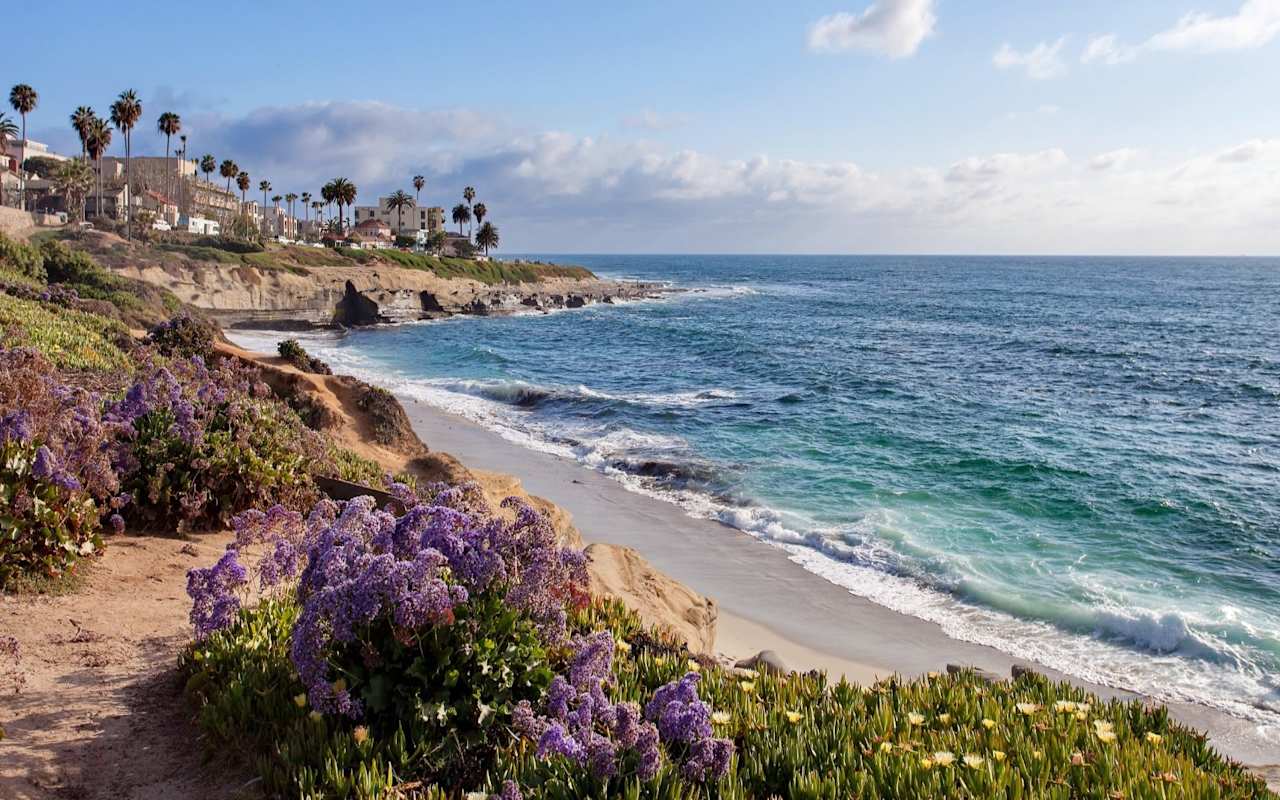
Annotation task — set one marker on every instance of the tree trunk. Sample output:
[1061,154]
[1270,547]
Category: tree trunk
[22,168]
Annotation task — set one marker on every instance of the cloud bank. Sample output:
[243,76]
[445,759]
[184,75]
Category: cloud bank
[894,28]
[1256,24]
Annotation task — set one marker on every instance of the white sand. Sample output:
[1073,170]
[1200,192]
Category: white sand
[766,601]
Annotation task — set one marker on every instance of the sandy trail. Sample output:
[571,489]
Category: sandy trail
[102,714]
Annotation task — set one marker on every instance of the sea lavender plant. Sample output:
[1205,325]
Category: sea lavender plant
[215,593]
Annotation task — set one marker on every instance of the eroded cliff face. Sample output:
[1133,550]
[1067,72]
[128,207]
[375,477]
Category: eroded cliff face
[362,295]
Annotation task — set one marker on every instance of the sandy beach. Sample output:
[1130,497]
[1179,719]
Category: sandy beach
[766,601]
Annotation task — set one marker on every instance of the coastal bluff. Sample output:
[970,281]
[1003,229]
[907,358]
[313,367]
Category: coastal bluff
[308,287]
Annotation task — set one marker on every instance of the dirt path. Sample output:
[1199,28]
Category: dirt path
[102,713]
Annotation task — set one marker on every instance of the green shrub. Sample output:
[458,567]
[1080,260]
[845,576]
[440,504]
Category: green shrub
[70,339]
[390,422]
[296,355]
[47,523]
[22,259]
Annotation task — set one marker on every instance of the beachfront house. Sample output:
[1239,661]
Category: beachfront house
[411,220]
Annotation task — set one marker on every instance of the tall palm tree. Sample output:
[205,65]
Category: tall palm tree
[400,201]
[344,194]
[242,180]
[318,207]
[487,236]
[208,165]
[24,100]
[80,122]
[8,130]
[468,194]
[480,212]
[169,124]
[125,112]
[264,187]
[97,140]
[229,170]
[461,214]
[418,183]
[306,210]
[290,197]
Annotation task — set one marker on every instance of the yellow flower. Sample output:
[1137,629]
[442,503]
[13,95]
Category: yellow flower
[794,716]
[300,700]
[915,719]
[970,760]
[747,686]
[988,723]
[926,763]
[660,660]
[1103,725]
[1028,708]
[886,747]
[998,755]
[934,675]
[622,646]
[694,666]
[721,717]
[360,734]
[1105,736]
[1037,754]
[747,673]
[340,685]
[1080,715]
[945,719]
[1083,708]
[315,715]
[1154,738]
[943,758]
[1065,706]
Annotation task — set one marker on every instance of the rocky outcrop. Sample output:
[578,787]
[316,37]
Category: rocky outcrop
[355,309]
[660,600]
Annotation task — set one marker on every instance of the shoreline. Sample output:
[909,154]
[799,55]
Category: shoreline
[766,600]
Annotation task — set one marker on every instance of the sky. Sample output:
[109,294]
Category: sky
[809,126]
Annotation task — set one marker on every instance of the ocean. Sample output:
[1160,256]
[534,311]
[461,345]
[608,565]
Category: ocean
[1075,460]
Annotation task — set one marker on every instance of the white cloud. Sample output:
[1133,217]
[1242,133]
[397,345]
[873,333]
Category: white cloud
[1254,25]
[1042,62]
[1113,159]
[1107,50]
[553,191]
[892,27]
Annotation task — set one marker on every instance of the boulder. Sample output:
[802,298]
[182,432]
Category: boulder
[356,309]
[1021,670]
[575,301]
[983,674]
[764,661]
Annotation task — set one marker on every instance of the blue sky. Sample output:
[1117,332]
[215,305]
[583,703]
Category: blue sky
[831,126]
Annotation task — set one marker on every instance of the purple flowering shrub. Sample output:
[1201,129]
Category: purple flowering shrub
[201,444]
[56,480]
[430,627]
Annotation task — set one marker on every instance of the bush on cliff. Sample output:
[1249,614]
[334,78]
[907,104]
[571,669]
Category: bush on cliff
[390,423]
[21,260]
[297,356]
[183,336]
[408,656]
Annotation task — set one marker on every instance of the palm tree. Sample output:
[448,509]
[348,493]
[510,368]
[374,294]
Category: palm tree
[242,180]
[306,213]
[24,100]
[80,122]
[73,180]
[318,207]
[8,130]
[125,112]
[400,201]
[264,187]
[169,124]
[97,140]
[487,236]
[480,212]
[289,197]
[468,194]
[229,170]
[461,214]
[418,183]
[344,194]
[208,164]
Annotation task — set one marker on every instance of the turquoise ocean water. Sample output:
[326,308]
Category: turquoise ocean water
[1074,460]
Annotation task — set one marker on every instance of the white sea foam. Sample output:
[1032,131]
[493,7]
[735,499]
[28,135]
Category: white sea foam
[1216,674]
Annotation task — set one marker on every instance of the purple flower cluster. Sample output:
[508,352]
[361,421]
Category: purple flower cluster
[582,724]
[357,572]
[215,593]
[684,719]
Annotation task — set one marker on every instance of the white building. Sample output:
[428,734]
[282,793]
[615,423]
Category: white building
[199,225]
[412,220]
